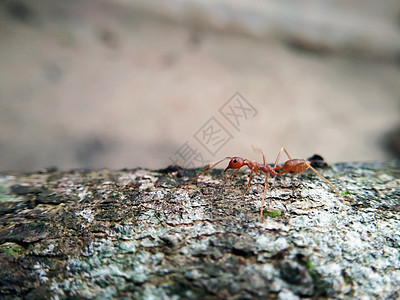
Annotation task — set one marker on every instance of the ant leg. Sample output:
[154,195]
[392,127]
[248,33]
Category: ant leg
[283,149]
[263,197]
[262,152]
[248,185]
[206,169]
[328,182]
[237,170]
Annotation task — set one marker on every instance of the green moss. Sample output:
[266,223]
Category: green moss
[345,193]
[309,264]
[10,249]
[272,213]
[322,287]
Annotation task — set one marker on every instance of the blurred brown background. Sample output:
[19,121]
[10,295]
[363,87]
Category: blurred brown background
[147,83]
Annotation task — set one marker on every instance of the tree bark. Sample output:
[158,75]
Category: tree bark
[138,233]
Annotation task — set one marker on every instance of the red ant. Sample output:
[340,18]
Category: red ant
[294,166]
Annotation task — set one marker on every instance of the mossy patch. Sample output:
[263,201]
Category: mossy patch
[272,213]
[11,249]
[347,192]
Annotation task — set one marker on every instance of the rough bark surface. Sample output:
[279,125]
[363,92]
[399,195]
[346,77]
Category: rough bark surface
[140,234]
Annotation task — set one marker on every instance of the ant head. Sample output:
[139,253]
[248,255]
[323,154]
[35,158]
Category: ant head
[235,163]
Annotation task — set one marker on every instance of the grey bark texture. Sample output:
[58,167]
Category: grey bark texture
[139,234]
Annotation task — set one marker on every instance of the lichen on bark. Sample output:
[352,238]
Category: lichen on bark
[138,233]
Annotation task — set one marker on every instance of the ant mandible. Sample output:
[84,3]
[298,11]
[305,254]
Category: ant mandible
[294,166]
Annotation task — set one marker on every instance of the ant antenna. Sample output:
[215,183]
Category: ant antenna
[208,168]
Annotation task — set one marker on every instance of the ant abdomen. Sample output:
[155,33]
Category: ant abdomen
[294,166]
